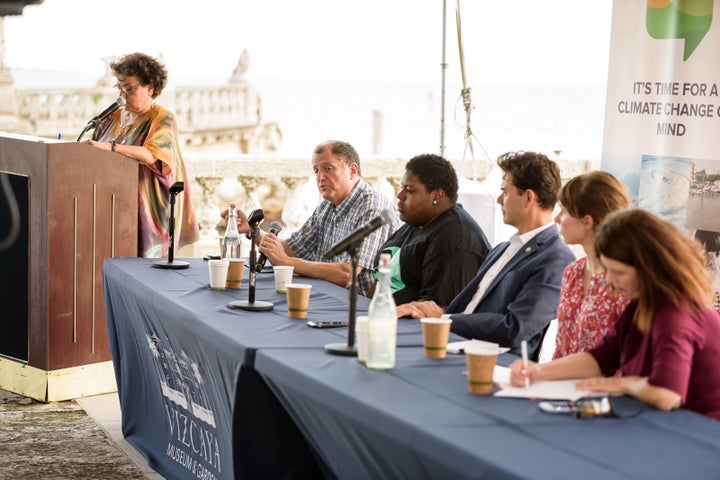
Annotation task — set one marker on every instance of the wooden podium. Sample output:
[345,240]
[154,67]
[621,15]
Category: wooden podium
[76,205]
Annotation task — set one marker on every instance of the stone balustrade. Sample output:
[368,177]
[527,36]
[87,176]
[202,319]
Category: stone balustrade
[48,112]
[285,187]
[226,117]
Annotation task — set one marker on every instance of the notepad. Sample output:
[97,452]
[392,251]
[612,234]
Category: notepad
[545,390]
[459,347]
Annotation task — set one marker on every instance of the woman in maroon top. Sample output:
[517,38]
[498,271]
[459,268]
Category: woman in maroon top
[666,344]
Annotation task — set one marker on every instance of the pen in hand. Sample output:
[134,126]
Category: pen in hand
[523,350]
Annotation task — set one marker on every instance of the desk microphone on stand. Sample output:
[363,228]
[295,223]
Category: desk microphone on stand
[254,219]
[351,244]
[176,188]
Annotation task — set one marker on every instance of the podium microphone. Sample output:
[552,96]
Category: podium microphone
[118,103]
[275,228]
[254,219]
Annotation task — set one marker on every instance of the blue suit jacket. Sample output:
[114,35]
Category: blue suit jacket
[522,299]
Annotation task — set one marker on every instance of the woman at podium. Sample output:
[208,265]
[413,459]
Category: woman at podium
[147,132]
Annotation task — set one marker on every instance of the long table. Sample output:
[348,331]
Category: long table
[419,421]
[191,401]
[211,392]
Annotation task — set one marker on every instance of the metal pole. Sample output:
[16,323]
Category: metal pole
[377,132]
[443,68]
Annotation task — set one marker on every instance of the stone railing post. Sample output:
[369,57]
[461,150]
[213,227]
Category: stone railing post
[206,205]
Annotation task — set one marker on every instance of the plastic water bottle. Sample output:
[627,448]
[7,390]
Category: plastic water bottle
[382,321]
[231,239]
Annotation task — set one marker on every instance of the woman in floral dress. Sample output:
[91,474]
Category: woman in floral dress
[588,307]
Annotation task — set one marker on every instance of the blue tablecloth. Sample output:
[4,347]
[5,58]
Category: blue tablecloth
[419,421]
[191,401]
[211,392]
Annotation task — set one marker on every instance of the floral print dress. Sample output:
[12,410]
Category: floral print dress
[585,317]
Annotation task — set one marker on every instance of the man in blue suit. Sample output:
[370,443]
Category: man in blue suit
[516,292]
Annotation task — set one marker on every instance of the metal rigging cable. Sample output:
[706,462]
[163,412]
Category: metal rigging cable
[470,137]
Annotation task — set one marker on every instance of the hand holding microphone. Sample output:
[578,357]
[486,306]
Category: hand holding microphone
[275,228]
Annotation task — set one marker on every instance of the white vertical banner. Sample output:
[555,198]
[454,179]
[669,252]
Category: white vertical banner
[662,114]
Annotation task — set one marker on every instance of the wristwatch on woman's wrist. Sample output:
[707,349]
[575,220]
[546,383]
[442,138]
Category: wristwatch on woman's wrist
[112,145]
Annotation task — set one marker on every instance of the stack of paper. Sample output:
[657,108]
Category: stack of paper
[459,347]
[546,390]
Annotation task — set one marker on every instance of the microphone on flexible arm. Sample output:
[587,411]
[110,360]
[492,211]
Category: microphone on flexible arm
[359,234]
[275,228]
[351,244]
[118,103]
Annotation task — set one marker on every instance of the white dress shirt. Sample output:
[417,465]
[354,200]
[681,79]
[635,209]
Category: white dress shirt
[516,243]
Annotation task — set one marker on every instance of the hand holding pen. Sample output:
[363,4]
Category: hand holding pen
[523,372]
[523,349]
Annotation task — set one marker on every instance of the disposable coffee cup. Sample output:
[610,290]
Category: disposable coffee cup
[298,299]
[218,270]
[435,336]
[235,272]
[283,276]
[361,338]
[481,362]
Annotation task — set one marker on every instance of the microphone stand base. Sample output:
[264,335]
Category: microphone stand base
[175,264]
[341,349]
[252,307]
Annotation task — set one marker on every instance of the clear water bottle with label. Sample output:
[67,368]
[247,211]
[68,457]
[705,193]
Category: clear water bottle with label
[382,321]
[231,239]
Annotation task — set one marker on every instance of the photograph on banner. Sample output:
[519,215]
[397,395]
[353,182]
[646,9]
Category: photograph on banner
[662,113]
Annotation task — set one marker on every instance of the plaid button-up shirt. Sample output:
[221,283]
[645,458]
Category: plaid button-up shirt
[329,224]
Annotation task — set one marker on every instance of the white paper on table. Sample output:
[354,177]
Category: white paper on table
[459,347]
[546,390]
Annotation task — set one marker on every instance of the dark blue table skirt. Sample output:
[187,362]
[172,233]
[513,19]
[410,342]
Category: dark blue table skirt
[184,363]
[419,421]
[211,392]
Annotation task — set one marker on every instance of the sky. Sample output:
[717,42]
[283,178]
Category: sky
[325,47]
[554,42]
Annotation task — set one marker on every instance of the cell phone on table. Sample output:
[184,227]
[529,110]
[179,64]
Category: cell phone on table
[211,257]
[558,408]
[327,324]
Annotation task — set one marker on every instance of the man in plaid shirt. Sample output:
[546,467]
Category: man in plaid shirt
[348,203]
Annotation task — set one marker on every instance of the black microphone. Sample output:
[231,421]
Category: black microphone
[118,103]
[275,228]
[356,236]
[255,217]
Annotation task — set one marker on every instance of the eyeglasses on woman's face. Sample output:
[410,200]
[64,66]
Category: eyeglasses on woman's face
[127,89]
